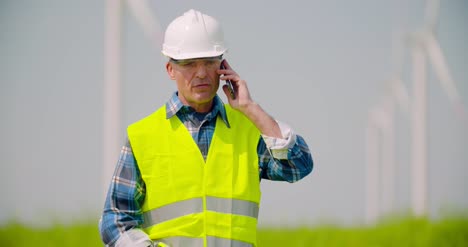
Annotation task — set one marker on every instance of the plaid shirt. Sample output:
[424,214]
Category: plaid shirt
[279,159]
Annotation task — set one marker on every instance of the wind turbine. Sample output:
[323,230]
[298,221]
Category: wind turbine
[380,150]
[426,48]
[113,67]
[380,135]
[380,130]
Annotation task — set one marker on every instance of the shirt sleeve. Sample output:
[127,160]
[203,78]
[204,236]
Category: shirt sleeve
[284,159]
[122,215]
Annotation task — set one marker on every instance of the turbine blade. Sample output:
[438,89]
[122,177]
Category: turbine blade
[441,69]
[147,20]
[443,73]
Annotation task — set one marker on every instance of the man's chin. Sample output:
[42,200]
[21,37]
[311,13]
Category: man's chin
[204,97]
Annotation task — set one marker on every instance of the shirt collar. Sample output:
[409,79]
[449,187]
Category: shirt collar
[174,105]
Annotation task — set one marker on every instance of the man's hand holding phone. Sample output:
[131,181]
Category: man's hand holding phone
[235,89]
[230,87]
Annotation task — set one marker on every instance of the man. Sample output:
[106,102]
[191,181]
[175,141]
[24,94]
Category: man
[189,174]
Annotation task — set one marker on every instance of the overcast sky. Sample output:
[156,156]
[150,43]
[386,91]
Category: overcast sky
[319,66]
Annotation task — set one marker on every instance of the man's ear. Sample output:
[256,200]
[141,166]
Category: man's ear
[170,70]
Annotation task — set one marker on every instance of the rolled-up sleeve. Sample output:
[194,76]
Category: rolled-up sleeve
[284,159]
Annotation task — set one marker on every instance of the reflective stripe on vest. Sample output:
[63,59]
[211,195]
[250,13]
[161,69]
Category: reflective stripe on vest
[195,205]
[232,206]
[198,242]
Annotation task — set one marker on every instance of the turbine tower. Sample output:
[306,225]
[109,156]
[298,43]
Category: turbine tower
[112,94]
[113,67]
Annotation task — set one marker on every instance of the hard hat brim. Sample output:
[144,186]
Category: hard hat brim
[194,55]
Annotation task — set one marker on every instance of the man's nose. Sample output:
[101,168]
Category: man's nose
[201,70]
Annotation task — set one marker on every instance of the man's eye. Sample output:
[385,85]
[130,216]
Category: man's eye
[211,63]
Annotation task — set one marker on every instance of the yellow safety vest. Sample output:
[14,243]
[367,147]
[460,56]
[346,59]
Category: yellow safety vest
[190,201]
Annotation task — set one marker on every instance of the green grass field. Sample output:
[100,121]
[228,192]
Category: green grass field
[407,231]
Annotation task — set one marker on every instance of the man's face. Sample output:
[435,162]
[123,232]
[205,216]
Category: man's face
[197,80]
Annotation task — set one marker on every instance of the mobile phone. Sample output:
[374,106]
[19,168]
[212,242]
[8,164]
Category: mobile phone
[229,84]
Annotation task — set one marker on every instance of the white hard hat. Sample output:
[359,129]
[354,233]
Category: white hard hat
[193,35]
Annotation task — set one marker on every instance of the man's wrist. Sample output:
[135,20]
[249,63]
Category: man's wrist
[251,109]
